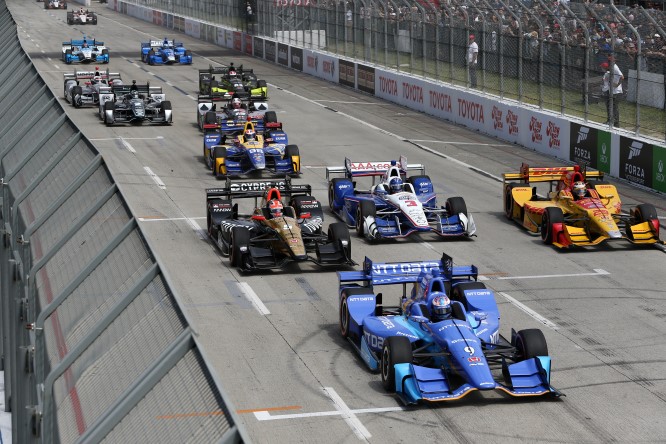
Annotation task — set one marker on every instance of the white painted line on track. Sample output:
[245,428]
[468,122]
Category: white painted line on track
[597,272]
[350,418]
[156,179]
[264,415]
[530,312]
[253,298]
[126,138]
[127,145]
[202,234]
[459,143]
[162,219]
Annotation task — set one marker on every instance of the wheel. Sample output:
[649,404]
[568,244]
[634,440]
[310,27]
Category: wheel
[270,117]
[94,20]
[109,106]
[531,343]
[220,153]
[396,350]
[188,54]
[68,56]
[210,118]
[645,212]
[105,54]
[551,216]
[70,18]
[455,206]
[150,56]
[240,238]
[76,90]
[414,180]
[164,107]
[312,206]
[291,152]
[365,209]
[332,186]
[261,84]
[338,234]
[345,317]
[508,200]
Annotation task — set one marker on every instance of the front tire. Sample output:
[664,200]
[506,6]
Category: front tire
[455,206]
[366,208]
[551,216]
[338,234]
[531,343]
[396,350]
[240,238]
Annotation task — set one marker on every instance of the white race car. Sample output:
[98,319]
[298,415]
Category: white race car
[82,87]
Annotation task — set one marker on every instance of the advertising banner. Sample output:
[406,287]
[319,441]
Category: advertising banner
[659,168]
[248,43]
[320,65]
[192,28]
[238,41]
[296,57]
[636,161]
[366,78]
[283,54]
[583,145]
[347,73]
[270,50]
[258,47]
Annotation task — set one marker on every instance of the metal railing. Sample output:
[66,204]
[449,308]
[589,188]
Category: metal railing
[542,54]
[94,344]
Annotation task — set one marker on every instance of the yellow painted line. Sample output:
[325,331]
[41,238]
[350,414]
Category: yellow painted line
[270,409]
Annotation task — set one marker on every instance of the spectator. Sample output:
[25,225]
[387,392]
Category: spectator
[472,59]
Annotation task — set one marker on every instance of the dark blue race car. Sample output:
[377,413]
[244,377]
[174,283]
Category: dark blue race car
[442,341]
[166,52]
[396,206]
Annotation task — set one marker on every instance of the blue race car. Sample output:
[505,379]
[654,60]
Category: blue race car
[257,147]
[442,341]
[396,206]
[86,50]
[166,52]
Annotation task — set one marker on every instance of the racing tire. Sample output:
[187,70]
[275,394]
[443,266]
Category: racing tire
[270,117]
[551,216]
[414,179]
[68,60]
[365,209]
[261,84]
[94,20]
[76,90]
[240,237]
[508,200]
[149,57]
[458,292]
[164,107]
[338,233]
[210,118]
[70,18]
[531,343]
[108,106]
[188,54]
[455,206]
[220,153]
[291,152]
[644,212]
[345,316]
[396,350]
[105,54]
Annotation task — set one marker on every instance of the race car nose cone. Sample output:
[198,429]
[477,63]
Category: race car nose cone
[615,234]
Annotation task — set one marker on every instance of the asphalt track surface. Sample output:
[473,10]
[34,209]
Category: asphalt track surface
[273,337]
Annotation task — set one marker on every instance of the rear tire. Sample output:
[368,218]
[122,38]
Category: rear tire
[76,90]
[458,293]
[551,216]
[396,350]
[210,118]
[508,200]
[270,117]
[365,209]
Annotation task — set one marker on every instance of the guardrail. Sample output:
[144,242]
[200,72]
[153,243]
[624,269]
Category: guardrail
[94,344]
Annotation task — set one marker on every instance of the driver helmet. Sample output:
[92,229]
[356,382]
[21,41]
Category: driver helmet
[250,135]
[135,94]
[395,185]
[440,307]
[236,103]
[579,189]
[275,208]
[232,73]
[166,42]
[85,44]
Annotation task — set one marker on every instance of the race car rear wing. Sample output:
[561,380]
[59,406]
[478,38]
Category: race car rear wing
[257,188]
[82,75]
[527,174]
[385,273]
[373,168]
[92,42]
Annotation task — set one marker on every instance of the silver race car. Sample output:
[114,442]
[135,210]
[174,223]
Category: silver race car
[134,104]
[82,87]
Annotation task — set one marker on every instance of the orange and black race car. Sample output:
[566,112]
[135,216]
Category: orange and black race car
[579,209]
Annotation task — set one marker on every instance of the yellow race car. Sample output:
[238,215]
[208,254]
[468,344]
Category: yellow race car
[579,209]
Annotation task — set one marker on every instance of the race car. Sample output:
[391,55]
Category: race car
[165,52]
[217,109]
[441,341]
[232,80]
[84,51]
[54,4]
[82,87]
[277,232]
[134,104]
[397,206]
[579,208]
[234,154]
[81,17]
